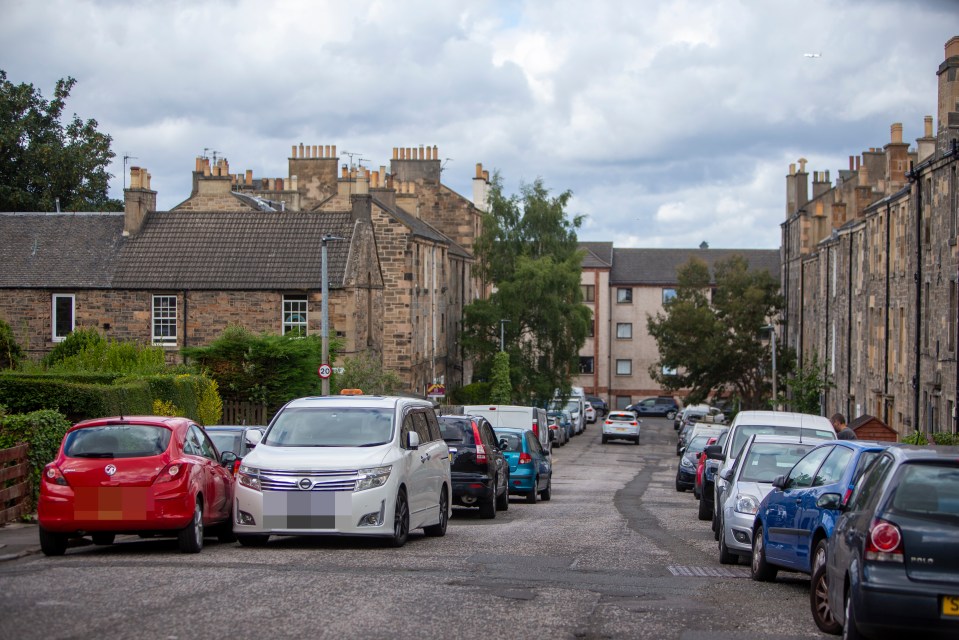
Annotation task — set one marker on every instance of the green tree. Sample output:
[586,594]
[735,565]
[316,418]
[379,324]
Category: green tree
[529,251]
[501,391]
[807,386]
[10,351]
[715,345]
[42,158]
[365,371]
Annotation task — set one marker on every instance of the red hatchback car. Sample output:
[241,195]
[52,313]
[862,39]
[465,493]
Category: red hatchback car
[143,475]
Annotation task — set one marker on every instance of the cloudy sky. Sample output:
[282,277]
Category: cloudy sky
[671,121]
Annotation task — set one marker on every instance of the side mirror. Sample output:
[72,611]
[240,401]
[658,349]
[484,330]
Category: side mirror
[714,452]
[228,458]
[829,501]
[412,440]
[727,475]
[780,483]
[682,450]
[253,437]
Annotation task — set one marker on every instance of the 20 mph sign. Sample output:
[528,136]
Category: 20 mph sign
[325,371]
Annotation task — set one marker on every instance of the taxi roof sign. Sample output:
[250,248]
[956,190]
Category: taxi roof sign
[351,392]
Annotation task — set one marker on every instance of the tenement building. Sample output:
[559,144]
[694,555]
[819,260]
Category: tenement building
[869,272]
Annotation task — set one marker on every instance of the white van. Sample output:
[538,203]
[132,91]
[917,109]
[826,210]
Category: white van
[508,415]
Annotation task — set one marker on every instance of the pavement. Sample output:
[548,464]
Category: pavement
[18,539]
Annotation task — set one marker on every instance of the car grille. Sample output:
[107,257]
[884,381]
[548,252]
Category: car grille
[283,480]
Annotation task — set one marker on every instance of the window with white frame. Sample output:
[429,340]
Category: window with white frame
[624,330]
[624,367]
[668,294]
[164,320]
[294,315]
[63,315]
[624,295]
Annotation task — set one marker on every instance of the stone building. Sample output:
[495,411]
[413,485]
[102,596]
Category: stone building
[623,287]
[869,273]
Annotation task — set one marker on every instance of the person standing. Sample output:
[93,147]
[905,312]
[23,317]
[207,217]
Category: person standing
[843,432]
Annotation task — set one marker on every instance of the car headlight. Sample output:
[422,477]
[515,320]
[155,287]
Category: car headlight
[746,503]
[249,477]
[687,463]
[372,477]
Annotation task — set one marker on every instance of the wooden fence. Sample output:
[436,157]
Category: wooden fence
[14,483]
[246,413]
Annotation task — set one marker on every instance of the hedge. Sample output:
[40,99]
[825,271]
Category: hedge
[42,431]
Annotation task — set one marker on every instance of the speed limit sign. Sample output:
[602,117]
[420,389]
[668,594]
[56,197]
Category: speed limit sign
[325,371]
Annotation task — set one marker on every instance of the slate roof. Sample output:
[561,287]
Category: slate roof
[658,266]
[234,250]
[599,255]
[65,250]
[419,227]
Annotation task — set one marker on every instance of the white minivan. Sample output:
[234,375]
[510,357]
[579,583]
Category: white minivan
[507,415]
[346,465]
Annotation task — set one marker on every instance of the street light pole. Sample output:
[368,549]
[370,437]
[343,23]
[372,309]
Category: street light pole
[325,307]
[772,335]
[501,342]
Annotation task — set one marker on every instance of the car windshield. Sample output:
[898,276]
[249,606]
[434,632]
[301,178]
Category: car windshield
[743,432]
[698,443]
[331,427]
[510,440]
[768,460]
[571,405]
[226,440]
[621,417]
[458,432]
[928,489]
[117,441]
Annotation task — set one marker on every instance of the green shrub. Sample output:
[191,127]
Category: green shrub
[474,393]
[916,437]
[165,408]
[10,352]
[209,404]
[114,356]
[73,344]
[944,438]
[42,430]
[76,400]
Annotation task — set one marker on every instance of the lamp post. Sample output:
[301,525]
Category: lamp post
[325,307]
[772,334]
[501,342]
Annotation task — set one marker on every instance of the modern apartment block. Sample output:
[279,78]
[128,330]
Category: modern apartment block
[869,272]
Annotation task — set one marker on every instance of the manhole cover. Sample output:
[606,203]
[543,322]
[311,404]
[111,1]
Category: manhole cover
[709,572]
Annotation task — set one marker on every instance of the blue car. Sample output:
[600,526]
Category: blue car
[530,468]
[797,517]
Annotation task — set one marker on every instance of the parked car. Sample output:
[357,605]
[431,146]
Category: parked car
[694,429]
[239,439]
[707,482]
[590,413]
[797,517]
[763,459]
[891,563]
[747,423]
[701,460]
[135,474]
[557,431]
[346,465]
[599,405]
[666,406]
[565,419]
[478,468]
[694,413]
[530,469]
[686,470]
[623,425]
[577,409]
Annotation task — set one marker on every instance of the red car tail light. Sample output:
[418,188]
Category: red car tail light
[884,543]
[536,429]
[236,465]
[172,473]
[525,458]
[53,475]
[480,448]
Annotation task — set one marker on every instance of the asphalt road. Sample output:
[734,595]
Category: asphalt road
[617,553]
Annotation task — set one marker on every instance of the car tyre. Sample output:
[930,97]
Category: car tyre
[819,596]
[254,540]
[103,539]
[725,555]
[759,569]
[679,487]
[190,538]
[438,530]
[401,521]
[637,440]
[705,509]
[487,508]
[605,439]
[531,496]
[850,631]
[502,501]
[52,544]
[547,493]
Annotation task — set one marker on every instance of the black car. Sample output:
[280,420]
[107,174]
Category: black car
[891,562]
[599,405]
[478,469]
[659,406]
[686,472]
[240,439]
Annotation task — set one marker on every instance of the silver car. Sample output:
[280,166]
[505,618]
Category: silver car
[764,458]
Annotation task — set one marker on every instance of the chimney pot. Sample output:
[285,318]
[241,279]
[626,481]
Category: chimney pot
[436,152]
[293,153]
[396,153]
[952,47]
[896,132]
[928,126]
[249,177]
[479,169]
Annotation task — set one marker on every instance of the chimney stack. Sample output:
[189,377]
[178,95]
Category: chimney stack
[138,199]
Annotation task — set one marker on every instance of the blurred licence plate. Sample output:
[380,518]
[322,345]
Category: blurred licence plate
[950,605]
[620,429]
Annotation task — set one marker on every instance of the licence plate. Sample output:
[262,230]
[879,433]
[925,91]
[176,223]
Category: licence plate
[950,606]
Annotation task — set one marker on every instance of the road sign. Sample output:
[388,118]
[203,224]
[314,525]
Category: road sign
[436,390]
[325,371]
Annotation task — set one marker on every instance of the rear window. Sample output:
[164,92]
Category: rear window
[766,460]
[117,441]
[744,431]
[457,431]
[697,444]
[510,441]
[621,417]
[928,489]
[226,440]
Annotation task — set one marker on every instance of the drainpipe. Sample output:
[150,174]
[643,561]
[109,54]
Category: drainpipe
[885,355]
[916,177]
[827,332]
[802,307]
[596,342]
[849,329]
[186,316]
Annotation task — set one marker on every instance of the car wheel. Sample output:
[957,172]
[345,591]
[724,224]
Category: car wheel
[52,544]
[637,440]
[190,538]
[850,631]
[252,540]
[401,521]
[103,539]
[547,493]
[670,415]
[725,555]
[487,508]
[759,569]
[705,509]
[531,496]
[438,530]
[502,501]
[819,596]
[605,439]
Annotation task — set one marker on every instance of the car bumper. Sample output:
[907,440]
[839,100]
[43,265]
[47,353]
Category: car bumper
[686,478]
[900,612]
[626,433]
[296,513]
[469,489]
[114,509]
[521,480]
[739,535]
